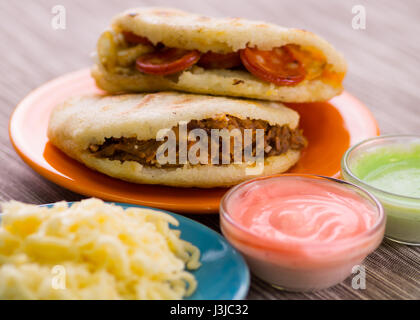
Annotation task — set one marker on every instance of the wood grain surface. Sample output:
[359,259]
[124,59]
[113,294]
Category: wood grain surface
[383,73]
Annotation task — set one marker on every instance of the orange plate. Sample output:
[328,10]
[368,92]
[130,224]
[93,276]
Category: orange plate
[330,127]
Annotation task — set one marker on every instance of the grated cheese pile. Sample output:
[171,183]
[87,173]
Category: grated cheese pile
[92,250]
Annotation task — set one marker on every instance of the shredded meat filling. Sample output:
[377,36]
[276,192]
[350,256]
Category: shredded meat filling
[277,140]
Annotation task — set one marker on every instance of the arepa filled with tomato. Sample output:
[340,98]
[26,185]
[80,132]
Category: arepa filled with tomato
[156,49]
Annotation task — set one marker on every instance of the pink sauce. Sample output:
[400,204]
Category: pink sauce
[301,232]
[297,210]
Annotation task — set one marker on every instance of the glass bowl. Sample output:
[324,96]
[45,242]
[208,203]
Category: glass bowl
[303,266]
[403,212]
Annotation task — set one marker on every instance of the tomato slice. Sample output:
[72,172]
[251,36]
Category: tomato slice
[278,66]
[167,61]
[212,60]
[132,38]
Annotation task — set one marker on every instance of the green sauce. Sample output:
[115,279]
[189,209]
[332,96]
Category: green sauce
[390,169]
[394,169]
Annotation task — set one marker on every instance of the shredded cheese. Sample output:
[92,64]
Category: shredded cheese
[92,250]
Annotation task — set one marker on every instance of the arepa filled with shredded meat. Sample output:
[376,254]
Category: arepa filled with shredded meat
[123,136]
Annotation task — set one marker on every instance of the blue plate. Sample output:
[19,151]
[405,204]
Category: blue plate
[223,274]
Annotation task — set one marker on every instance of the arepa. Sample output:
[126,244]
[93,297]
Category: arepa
[156,49]
[118,136]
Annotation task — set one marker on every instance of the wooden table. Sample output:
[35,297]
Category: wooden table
[383,72]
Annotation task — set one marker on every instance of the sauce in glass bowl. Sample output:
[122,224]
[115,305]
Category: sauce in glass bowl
[302,232]
[389,168]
